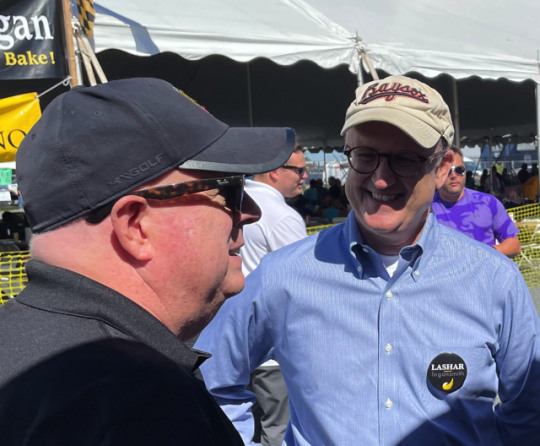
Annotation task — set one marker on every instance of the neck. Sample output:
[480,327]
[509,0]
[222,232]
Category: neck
[452,198]
[391,243]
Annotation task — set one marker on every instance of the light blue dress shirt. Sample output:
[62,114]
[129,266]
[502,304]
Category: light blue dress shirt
[354,344]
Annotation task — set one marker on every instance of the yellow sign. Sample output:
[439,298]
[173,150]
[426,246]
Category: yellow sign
[17,116]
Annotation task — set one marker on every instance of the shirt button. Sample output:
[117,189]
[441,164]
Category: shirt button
[416,273]
[389,294]
[388,348]
[388,403]
[365,249]
[359,268]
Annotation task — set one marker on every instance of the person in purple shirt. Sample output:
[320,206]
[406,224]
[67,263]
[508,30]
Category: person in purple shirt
[476,214]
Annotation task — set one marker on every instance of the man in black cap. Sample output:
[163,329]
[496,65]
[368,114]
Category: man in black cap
[136,198]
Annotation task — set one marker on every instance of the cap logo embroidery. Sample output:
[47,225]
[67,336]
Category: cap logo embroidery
[390,91]
[132,173]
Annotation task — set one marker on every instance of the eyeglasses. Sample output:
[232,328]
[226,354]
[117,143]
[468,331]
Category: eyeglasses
[458,170]
[404,163]
[232,189]
[300,171]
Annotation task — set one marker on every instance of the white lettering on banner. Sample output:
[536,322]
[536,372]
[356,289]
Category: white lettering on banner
[41,28]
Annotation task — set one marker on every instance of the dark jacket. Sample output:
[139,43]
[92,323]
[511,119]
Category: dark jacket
[83,365]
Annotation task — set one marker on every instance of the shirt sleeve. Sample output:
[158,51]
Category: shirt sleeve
[288,230]
[503,226]
[518,367]
[239,339]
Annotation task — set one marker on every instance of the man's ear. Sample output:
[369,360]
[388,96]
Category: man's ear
[274,175]
[444,168]
[129,219]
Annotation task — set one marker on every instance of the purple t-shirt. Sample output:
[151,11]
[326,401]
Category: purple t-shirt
[478,215]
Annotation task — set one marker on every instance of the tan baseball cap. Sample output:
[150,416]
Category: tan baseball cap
[410,105]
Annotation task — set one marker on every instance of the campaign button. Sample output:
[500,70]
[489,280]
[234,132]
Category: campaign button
[447,372]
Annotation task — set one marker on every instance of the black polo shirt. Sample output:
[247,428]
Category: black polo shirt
[83,365]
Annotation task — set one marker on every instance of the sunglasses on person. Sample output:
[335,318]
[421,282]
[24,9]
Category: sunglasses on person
[300,171]
[404,163]
[231,188]
[458,170]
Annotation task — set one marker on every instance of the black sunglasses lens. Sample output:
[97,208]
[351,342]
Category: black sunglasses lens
[234,196]
[460,170]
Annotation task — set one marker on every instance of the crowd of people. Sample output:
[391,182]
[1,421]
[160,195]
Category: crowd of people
[169,301]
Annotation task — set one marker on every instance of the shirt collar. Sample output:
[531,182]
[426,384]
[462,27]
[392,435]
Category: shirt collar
[58,290]
[416,255]
[258,186]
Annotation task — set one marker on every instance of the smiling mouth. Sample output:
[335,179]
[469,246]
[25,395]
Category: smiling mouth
[383,198]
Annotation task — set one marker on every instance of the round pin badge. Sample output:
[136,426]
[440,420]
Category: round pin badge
[447,372]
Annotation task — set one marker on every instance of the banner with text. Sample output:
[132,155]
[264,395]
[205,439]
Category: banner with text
[31,43]
[17,116]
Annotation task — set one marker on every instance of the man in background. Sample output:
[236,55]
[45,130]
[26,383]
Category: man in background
[476,214]
[280,225]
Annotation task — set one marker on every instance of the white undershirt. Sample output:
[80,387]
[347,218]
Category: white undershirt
[390,263]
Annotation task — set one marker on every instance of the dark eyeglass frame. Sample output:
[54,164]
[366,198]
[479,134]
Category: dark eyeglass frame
[454,169]
[300,171]
[175,190]
[421,160]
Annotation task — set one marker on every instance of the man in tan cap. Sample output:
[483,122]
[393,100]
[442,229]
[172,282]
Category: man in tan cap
[390,329]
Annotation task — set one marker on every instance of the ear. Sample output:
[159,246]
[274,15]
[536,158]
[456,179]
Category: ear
[444,168]
[129,218]
[274,175]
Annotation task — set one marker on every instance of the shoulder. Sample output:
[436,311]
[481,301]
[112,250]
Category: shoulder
[120,379]
[305,253]
[456,247]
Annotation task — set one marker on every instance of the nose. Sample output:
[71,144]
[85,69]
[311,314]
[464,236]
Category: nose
[383,176]
[304,175]
[251,212]
[452,174]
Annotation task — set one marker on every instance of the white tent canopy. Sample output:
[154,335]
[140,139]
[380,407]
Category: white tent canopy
[460,37]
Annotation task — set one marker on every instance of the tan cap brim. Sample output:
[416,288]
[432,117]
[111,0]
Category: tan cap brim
[425,135]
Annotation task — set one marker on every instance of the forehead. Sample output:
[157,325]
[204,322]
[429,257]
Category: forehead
[458,160]
[382,137]
[296,159]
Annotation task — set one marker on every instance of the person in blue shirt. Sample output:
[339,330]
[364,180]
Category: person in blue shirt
[390,329]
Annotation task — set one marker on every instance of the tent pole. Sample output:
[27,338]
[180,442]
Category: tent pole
[360,74]
[249,95]
[490,172]
[70,47]
[538,127]
[457,136]
[325,180]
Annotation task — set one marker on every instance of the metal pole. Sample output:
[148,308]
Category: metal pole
[538,127]
[490,172]
[457,136]
[70,47]
[250,97]
[360,74]
[324,169]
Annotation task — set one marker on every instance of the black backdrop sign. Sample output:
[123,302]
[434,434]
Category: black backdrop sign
[31,39]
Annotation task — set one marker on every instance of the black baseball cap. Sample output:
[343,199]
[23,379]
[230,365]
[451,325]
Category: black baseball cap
[94,144]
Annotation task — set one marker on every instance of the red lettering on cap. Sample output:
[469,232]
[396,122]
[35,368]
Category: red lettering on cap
[390,91]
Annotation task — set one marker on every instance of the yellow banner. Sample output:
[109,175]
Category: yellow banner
[17,116]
